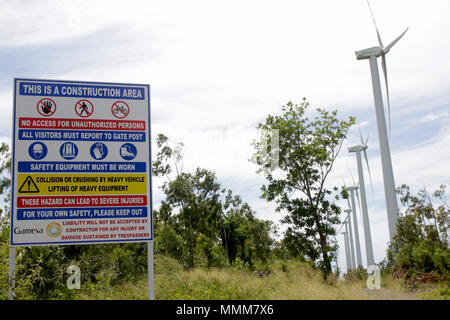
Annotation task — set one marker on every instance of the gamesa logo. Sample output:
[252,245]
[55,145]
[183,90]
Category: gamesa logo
[19,230]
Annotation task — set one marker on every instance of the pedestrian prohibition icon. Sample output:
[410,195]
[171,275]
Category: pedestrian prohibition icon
[84,108]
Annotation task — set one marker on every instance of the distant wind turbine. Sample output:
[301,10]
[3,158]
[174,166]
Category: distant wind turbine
[350,238]
[342,225]
[367,234]
[336,257]
[388,176]
[347,249]
[352,189]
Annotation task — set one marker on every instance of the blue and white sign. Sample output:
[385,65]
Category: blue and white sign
[81,170]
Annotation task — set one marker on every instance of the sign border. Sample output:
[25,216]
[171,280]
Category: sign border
[13,160]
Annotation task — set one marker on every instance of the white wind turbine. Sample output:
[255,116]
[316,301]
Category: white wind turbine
[336,258]
[365,216]
[345,245]
[348,228]
[352,209]
[388,176]
[347,248]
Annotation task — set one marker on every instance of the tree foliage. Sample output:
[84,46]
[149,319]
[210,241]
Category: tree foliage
[308,148]
[421,242]
[200,219]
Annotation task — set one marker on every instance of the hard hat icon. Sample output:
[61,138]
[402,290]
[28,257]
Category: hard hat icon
[37,150]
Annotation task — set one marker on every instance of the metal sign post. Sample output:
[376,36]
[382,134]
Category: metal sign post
[12,273]
[151,272]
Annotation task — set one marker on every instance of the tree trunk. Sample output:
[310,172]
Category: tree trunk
[323,247]
[326,259]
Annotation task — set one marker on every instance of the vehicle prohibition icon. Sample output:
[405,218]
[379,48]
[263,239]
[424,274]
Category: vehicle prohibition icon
[120,109]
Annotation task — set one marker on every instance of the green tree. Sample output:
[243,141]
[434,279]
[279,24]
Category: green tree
[421,243]
[308,148]
[244,236]
[196,197]
[5,184]
[200,219]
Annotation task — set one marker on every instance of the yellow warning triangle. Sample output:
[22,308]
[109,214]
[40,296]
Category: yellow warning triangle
[28,186]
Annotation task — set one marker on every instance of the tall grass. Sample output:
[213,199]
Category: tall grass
[291,280]
[288,280]
[298,281]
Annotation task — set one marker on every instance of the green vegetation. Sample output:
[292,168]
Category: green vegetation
[210,245]
[308,148]
[200,221]
[298,281]
[420,250]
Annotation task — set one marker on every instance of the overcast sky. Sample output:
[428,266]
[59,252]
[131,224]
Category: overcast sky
[217,68]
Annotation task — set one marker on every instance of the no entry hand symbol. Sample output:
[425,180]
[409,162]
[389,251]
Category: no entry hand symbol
[46,107]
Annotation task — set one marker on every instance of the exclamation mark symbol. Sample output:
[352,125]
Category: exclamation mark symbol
[29,184]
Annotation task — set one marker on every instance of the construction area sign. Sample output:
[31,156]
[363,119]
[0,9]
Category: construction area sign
[81,170]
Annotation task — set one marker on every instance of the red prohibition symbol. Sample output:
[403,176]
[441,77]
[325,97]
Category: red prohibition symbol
[120,109]
[84,108]
[46,107]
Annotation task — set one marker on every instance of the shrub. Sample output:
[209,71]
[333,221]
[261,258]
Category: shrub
[420,245]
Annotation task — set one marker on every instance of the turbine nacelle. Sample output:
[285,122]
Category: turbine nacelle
[352,188]
[369,52]
[357,148]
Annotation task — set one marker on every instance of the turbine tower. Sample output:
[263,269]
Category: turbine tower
[352,189]
[365,216]
[347,253]
[336,258]
[388,176]
[350,238]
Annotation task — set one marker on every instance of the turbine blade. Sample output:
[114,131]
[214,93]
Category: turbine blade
[390,45]
[360,134]
[367,139]
[368,169]
[342,225]
[354,183]
[373,19]
[383,64]
[359,203]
